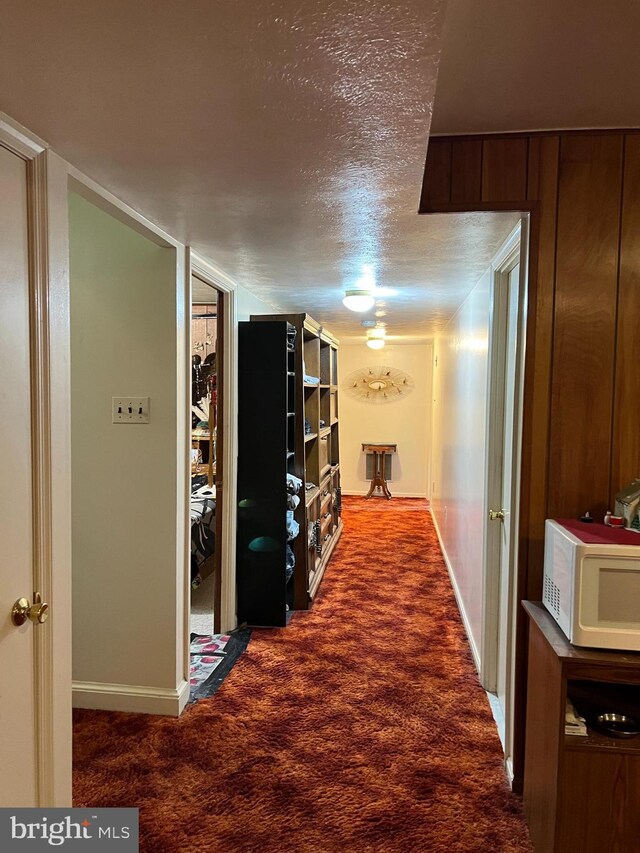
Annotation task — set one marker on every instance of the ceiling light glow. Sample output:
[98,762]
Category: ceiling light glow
[358,300]
[375,337]
[367,280]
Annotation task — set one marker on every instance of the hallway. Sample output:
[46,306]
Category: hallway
[360,728]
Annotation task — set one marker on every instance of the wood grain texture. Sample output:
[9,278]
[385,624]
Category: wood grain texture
[599,808]
[504,169]
[436,185]
[466,171]
[625,457]
[582,795]
[584,323]
[542,186]
[545,694]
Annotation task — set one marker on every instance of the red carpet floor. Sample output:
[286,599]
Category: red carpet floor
[360,728]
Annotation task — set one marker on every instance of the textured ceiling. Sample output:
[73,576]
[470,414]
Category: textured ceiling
[440,259]
[515,65]
[284,140]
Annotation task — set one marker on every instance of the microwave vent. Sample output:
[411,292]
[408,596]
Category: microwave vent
[551,596]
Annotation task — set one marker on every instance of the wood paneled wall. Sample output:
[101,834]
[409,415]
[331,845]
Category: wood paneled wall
[581,439]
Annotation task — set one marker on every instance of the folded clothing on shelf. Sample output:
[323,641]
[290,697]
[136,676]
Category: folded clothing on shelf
[574,724]
[294,484]
[293,528]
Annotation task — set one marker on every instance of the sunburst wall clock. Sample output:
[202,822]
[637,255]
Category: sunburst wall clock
[378,384]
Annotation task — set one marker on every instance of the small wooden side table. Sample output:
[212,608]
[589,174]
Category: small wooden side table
[580,793]
[379,479]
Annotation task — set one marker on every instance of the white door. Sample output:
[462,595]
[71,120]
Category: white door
[502,481]
[18,776]
[507,556]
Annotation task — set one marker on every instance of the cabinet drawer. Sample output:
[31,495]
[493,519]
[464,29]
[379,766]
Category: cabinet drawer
[325,489]
[326,522]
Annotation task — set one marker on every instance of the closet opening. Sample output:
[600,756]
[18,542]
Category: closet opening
[206,451]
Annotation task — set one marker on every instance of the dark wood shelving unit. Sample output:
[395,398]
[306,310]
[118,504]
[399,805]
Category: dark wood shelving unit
[317,455]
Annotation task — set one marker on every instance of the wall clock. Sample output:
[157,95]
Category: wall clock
[378,384]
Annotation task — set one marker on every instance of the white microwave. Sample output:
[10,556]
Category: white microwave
[592,583]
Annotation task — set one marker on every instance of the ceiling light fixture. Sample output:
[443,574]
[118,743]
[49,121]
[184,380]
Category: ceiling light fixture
[358,300]
[375,338]
[375,343]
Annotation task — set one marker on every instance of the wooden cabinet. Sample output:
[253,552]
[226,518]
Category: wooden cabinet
[581,794]
[316,450]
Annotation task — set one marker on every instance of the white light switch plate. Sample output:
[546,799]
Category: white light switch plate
[130,410]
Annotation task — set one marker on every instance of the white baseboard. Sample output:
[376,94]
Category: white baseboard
[361,494]
[508,769]
[463,613]
[498,716]
[133,699]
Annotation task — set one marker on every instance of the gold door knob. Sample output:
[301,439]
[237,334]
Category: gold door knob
[496,515]
[23,610]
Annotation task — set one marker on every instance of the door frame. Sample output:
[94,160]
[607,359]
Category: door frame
[50,396]
[216,447]
[196,265]
[515,250]
[155,701]
[188,262]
